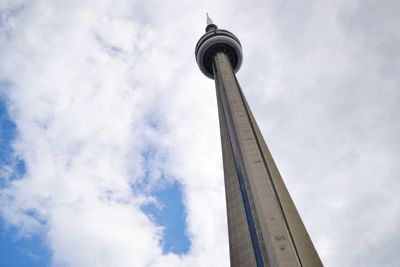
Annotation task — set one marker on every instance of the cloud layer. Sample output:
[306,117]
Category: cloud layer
[92,87]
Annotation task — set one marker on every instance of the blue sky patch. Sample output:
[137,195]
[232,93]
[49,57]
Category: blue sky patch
[7,133]
[11,167]
[171,216]
[16,252]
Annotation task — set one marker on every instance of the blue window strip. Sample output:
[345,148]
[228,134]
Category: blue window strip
[239,170]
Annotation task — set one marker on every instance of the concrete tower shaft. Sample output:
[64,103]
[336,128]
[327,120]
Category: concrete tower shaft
[265,228]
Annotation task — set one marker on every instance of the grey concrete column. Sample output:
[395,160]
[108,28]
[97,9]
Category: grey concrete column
[265,228]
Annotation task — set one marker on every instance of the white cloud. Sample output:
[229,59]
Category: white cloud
[95,84]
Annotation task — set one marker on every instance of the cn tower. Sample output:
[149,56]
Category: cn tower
[264,226]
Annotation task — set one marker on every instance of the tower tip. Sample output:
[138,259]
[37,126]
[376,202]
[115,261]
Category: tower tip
[209,20]
[210,24]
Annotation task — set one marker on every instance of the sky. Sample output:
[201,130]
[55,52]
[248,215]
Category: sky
[109,142]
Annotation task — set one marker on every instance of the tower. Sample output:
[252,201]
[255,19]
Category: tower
[265,228]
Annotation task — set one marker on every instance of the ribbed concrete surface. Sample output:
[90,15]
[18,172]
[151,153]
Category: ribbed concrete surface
[281,233]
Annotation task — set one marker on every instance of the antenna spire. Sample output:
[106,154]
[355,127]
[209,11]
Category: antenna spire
[210,24]
[209,20]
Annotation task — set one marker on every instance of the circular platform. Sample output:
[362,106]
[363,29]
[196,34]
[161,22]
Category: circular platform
[214,41]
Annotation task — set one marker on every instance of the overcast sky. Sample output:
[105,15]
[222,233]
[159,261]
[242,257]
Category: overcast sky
[109,142]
